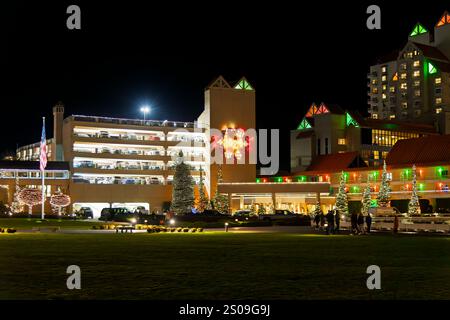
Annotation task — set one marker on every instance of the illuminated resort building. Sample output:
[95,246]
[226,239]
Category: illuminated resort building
[129,162]
[329,129]
[414,82]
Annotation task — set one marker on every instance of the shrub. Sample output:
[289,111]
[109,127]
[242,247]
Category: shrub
[185,229]
[192,229]
[199,229]
[11,230]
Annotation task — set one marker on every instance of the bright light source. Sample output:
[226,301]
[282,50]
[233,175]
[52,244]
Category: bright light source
[145,110]
[226,224]
[172,221]
[133,220]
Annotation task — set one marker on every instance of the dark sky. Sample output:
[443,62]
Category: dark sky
[128,53]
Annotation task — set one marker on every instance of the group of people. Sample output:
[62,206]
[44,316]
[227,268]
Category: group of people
[331,221]
[358,221]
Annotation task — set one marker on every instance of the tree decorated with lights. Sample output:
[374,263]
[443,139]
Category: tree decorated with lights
[341,197]
[220,200]
[261,209]
[16,206]
[203,200]
[366,200]
[59,200]
[317,209]
[385,189]
[30,197]
[183,187]
[414,205]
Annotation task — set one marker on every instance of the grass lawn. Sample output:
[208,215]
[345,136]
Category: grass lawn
[221,265]
[28,224]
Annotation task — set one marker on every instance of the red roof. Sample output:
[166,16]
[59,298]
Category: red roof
[336,162]
[426,150]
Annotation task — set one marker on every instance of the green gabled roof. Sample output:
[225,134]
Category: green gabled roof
[304,125]
[243,84]
[417,30]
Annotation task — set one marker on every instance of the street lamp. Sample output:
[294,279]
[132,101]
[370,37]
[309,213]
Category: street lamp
[145,110]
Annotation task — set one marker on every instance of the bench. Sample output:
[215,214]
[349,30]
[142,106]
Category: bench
[124,228]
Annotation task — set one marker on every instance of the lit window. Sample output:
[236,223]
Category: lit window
[374,81]
[416,63]
[384,87]
[405,105]
[383,69]
[403,66]
[417,93]
[416,83]
[375,90]
[374,116]
[383,96]
[438,100]
[392,89]
[404,86]
[341,142]
[437,81]
[438,110]
[416,74]
[392,116]
[383,78]
[403,75]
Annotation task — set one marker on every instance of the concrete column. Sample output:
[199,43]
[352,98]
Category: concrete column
[241,202]
[318,197]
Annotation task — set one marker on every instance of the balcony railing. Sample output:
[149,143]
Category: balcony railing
[135,122]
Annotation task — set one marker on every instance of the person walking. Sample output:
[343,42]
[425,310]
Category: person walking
[337,221]
[395,230]
[317,220]
[361,224]
[368,222]
[354,223]
[330,222]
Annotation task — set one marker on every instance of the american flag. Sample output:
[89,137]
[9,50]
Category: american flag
[43,152]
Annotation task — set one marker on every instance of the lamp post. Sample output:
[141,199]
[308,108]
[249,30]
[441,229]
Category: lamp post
[145,110]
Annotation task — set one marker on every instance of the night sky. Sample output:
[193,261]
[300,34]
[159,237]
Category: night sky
[128,54]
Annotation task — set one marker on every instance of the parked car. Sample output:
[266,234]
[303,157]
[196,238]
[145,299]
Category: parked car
[278,215]
[85,213]
[116,214]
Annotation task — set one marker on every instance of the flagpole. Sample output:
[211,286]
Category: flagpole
[43,183]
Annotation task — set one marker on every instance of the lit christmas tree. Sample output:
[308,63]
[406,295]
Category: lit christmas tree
[317,209]
[220,200]
[385,189]
[16,206]
[341,197]
[203,200]
[413,205]
[183,188]
[366,199]
[261,209]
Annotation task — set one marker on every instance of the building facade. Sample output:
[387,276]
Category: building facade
[129,162]
[414,82]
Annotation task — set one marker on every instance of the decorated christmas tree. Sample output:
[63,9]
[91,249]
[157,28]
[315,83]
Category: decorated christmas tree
[220,200]
[317,209]
[16,206]
[203,200]
[261,209]
[366,200]
[385,189]
[341,197]
[413,205]
[183,188]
